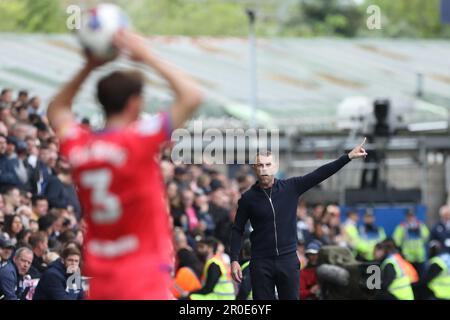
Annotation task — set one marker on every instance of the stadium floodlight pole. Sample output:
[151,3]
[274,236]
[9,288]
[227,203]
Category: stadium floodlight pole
[252,59]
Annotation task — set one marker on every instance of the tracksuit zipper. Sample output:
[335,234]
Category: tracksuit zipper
[274,220]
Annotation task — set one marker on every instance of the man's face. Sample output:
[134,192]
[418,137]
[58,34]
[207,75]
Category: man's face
[265,168]
[410,218]
[5,253]
[23,262]
[445,214]
[369,219]
[23,97]
[3,145]
[14,197]
[41,207]
[42,246]
[201,200]
[10,148]
[34,226]
[44,155]
[312,258]
[203,250]
[7,96]
[354,217]
[72,262]
[36,103]
[188,198]
[378,254]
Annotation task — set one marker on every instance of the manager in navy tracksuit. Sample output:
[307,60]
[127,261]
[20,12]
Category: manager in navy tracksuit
[271,206]
[56,282]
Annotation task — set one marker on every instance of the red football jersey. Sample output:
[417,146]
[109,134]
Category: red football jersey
[128,246]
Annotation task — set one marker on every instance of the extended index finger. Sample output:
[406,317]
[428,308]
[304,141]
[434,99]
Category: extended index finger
[364,141]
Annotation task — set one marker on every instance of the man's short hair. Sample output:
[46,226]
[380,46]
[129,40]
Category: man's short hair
[352,213]
[22,250]
[210,242]
[46,221]
[36,198]
[36,238]
[266,153]
[114,90]
[70,251]
[23,93]
[9,189]
[5,90]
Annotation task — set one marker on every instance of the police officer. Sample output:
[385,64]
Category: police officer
[411,237]
[369,235]
[395,283]
[437,276]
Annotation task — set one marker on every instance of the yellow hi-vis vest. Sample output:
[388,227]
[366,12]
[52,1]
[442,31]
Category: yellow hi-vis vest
[244,266]
[223,290]
[366,243]
[441,284]
[401,286]
[413,248]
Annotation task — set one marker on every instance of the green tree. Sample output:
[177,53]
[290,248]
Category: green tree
[325,18]
[32,16]
[172,17]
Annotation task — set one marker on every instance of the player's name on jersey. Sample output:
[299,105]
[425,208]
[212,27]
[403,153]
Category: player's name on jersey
[98,151]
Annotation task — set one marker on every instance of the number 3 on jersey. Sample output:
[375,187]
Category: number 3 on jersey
[106,206]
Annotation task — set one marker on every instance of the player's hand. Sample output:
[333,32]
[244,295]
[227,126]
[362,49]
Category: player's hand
[358,151]
[132,44]
[236,271]
[93,62]
[72,269]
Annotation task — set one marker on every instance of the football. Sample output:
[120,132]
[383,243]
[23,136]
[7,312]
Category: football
[98,26]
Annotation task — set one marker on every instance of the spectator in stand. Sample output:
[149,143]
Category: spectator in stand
[60,190]
[6,98]
[12,275]
[13,226]
[54,283]
[6,251]
[206,222]
[441,231]
[309,286]
[39,244]
[12,200]
[22,100]
[40,207]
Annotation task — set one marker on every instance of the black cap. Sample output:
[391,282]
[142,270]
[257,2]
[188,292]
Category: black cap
[6,244]
[215,185]
[12,140]
[41,126]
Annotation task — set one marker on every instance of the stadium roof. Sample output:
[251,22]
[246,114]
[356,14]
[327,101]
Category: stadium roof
[300,81]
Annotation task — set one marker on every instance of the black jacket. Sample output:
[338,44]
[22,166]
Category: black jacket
[8,175]
[441,233]
[60,195]
[53,285]
[275,231]
[38,266]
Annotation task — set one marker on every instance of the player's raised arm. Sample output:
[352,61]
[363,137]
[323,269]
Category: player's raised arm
[59,112]
[188,96]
